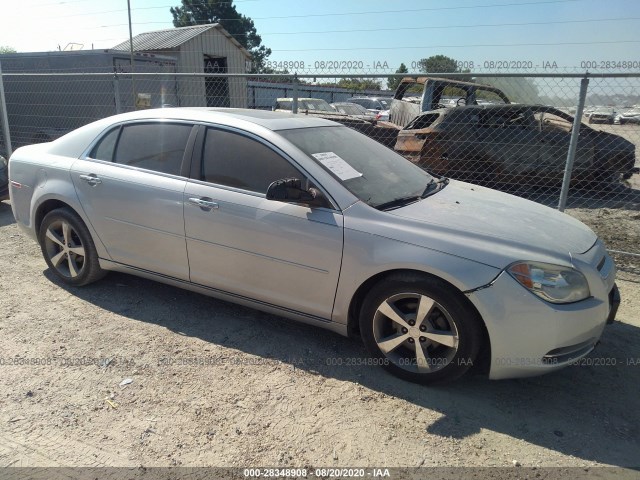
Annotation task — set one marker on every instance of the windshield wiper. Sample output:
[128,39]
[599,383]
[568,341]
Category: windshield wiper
[399,202]
[402,201]
[438,184]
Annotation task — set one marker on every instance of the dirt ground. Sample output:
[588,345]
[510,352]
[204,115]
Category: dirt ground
[214,384]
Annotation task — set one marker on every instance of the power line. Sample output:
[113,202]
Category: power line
[479,25]
[457,46]
[493,5]
[65,2]
[456,26]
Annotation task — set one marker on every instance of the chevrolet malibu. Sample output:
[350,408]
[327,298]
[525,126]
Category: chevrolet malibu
[308,219]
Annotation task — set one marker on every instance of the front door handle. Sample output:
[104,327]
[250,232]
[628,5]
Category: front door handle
[92,179]
[204,203]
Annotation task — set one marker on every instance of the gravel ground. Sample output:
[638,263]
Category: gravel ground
[214,384]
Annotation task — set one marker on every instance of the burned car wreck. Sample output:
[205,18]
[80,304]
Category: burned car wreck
[414,96]
[510,144]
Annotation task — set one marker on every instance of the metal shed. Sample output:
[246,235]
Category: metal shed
[201,49]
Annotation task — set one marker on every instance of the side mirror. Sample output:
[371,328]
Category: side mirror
[290,190]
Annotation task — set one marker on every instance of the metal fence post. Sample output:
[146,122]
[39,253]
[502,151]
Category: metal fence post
[294,106]
[573,144]
[116,93]
[4,117]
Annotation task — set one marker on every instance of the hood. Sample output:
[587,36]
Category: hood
[490,227]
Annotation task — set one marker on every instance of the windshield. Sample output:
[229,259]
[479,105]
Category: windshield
[369,170]
[386,102]
[351,109]
[315,105]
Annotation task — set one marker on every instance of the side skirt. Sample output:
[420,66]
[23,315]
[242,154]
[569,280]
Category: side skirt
[227,296]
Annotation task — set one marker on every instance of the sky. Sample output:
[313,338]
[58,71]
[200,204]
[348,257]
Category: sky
[372,36]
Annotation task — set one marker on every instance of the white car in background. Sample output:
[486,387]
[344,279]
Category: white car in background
[627,115]
[378,105]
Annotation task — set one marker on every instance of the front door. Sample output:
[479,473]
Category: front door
[282,254]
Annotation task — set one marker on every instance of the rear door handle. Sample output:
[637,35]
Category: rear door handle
[204,203]
[92,179]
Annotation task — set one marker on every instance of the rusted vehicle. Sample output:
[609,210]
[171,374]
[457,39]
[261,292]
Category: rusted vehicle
[510,144]
[423,94]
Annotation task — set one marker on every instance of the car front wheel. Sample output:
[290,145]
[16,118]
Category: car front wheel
[420,329]
[68,249]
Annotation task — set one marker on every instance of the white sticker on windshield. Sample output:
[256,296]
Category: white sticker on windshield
[337,165]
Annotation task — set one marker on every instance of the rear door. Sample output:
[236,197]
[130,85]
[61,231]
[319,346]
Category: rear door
[131,187]
[508,142]
[239,242]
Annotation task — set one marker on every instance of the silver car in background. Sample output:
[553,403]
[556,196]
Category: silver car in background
[308,219]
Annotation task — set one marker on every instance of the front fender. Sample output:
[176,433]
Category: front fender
[367,255]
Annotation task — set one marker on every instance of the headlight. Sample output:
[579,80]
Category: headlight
[553,283]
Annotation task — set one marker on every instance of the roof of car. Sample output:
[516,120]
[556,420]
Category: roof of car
[265,118]
[373,98]
[290,99]
[498,106]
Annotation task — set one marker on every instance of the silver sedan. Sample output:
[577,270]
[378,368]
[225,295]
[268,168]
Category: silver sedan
[310,220]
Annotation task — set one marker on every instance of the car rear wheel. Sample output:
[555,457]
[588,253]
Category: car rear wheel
[420,329]
[68,248]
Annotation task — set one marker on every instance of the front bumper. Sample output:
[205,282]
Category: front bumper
[531,337]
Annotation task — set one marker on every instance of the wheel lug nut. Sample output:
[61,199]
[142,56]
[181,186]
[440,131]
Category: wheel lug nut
[412,322]
[423,328]
[411,340]
[423,339]
[404,330]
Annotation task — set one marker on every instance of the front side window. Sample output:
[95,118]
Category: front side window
[153,146]
[235,160]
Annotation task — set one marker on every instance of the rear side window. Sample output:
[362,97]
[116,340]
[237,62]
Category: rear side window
[153,146]
[422,121]
[105,147]
[238,161]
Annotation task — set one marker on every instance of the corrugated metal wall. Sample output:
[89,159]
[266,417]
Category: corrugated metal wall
[192,54]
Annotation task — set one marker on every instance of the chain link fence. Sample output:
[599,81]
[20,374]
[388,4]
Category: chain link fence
[512,132]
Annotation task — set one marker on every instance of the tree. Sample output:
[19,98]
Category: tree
[359,84]
[242,28]
[6,49]
[442,64]
[393,82]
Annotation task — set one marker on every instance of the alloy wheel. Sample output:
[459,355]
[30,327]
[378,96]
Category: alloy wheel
[64,249]
[415,332]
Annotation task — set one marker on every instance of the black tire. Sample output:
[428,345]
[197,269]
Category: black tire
[63,245]
[450,316]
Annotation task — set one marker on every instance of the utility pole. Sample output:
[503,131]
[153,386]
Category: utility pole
[133,81]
